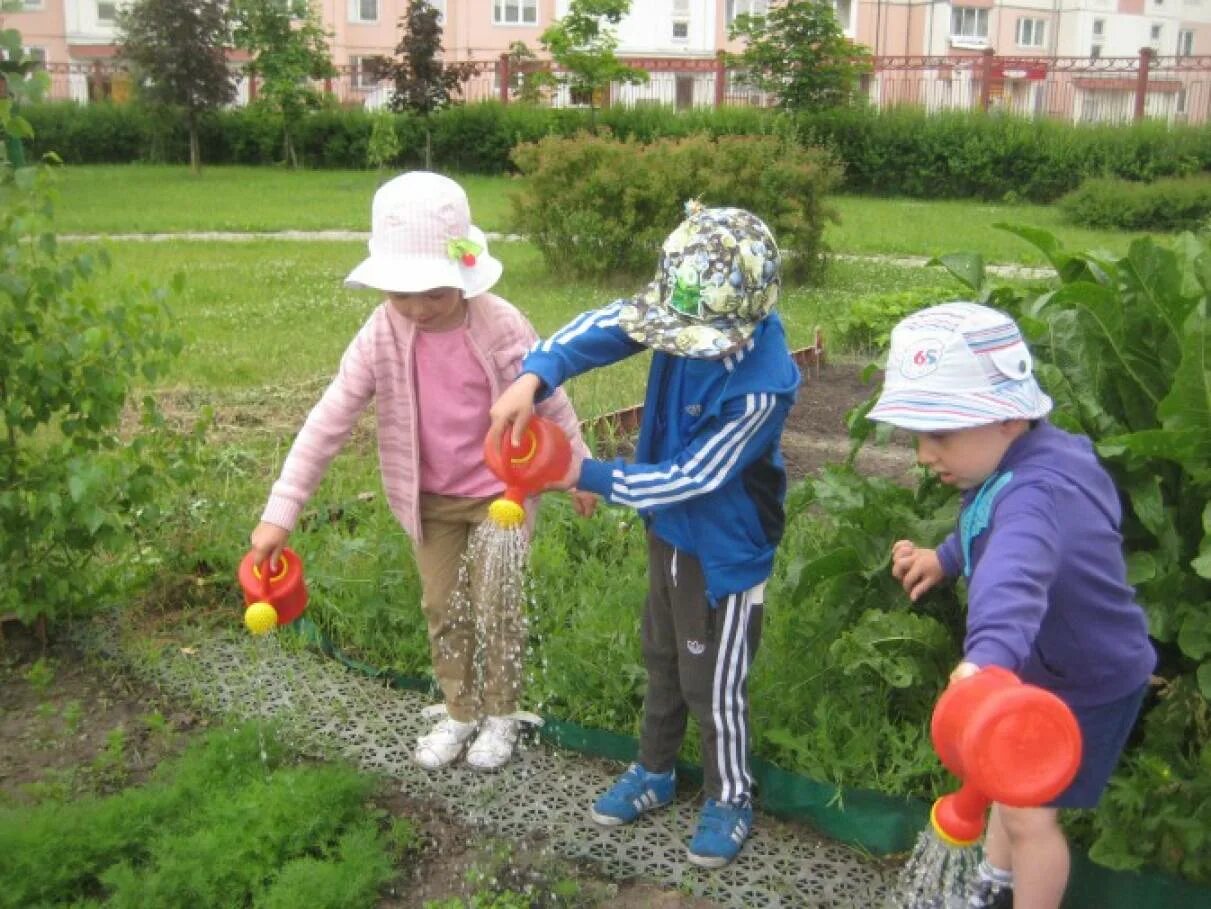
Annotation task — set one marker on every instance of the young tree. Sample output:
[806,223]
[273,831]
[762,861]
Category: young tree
[80,495]
[423,83]
[583,47]
[289,48]
[799,53]
[179,48]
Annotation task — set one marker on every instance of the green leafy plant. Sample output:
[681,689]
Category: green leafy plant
[232,821]
[384,146]
[865,326]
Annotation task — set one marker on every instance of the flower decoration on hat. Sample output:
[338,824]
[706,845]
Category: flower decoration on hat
[463,250]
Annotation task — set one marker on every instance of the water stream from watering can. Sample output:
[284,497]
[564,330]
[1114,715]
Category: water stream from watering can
[936,875]
[494,566]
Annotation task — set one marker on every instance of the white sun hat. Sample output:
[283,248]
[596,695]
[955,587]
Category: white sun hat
[955,366]
[421,237]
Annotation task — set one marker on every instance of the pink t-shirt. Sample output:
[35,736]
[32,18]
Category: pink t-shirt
[452,401]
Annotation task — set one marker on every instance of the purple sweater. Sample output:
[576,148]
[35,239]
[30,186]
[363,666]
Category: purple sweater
[1047,583]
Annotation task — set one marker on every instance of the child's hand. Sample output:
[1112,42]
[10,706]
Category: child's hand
[917,569]
[267,542]
[514,406]
[584,503]
[962,671]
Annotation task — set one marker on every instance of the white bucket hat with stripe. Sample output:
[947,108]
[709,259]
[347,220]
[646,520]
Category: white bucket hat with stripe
[421,238]
[955,366]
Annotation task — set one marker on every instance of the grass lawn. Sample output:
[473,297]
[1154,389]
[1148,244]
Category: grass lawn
[152,199]
[148,198]
[931,228]
[273,314]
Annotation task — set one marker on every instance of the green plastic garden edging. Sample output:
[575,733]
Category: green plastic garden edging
[881,824]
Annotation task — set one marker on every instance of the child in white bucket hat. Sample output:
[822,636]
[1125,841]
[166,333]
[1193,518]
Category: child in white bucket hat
[709,481]
[434,355]
[1039,544]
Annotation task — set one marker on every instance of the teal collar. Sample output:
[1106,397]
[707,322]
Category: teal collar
[975,517]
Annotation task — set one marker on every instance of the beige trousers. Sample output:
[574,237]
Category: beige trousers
[476,628]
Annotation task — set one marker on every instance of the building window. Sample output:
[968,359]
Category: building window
[745,8]
[1031,32]
[31,4]
[1185,42]
[1099,37]
[681,21]
[107,13]
[37,55]
[969,24]
[363,10]
[1154,36]
[515,12]
[364,75]
[845,12]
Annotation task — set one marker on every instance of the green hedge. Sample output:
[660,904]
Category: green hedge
[902,152]
[1173,204]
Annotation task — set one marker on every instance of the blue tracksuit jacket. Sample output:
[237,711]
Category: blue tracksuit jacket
[708,475]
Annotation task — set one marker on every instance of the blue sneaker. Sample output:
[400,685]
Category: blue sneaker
[635,792]
[722,830]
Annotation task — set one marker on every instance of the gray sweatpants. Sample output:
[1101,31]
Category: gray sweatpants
[697,656]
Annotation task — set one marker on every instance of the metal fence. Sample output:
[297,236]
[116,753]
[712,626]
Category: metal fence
[1076,89]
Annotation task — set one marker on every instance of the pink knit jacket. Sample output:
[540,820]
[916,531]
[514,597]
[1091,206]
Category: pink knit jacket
[378,364]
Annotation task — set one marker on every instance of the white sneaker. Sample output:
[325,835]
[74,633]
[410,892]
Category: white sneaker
[443,744]
[493,747]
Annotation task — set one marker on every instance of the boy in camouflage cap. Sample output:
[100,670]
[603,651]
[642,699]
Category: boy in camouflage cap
[709,481]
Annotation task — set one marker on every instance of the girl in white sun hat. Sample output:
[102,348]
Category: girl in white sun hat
[434,356]
[1040,548]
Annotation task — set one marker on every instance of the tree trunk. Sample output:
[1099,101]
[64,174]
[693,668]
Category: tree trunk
[195,148]
[292,158]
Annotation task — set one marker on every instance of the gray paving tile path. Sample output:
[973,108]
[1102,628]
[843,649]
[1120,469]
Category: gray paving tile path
[545,791]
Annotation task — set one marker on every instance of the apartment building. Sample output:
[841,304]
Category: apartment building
[678,41]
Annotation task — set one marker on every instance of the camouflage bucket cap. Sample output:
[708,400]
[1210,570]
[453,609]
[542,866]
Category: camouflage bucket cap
[718,278]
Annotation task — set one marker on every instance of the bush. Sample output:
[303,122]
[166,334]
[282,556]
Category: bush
[596,206]
[1176,203]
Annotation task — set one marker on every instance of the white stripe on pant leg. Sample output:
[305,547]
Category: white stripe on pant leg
[741,689]
[738,675]
[725,728]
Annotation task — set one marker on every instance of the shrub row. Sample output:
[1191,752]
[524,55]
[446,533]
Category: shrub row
[1172,203]
[902,152]
[596,206]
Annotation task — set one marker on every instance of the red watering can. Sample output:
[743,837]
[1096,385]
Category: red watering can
[1008,742]
[542,457]
[272,598]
